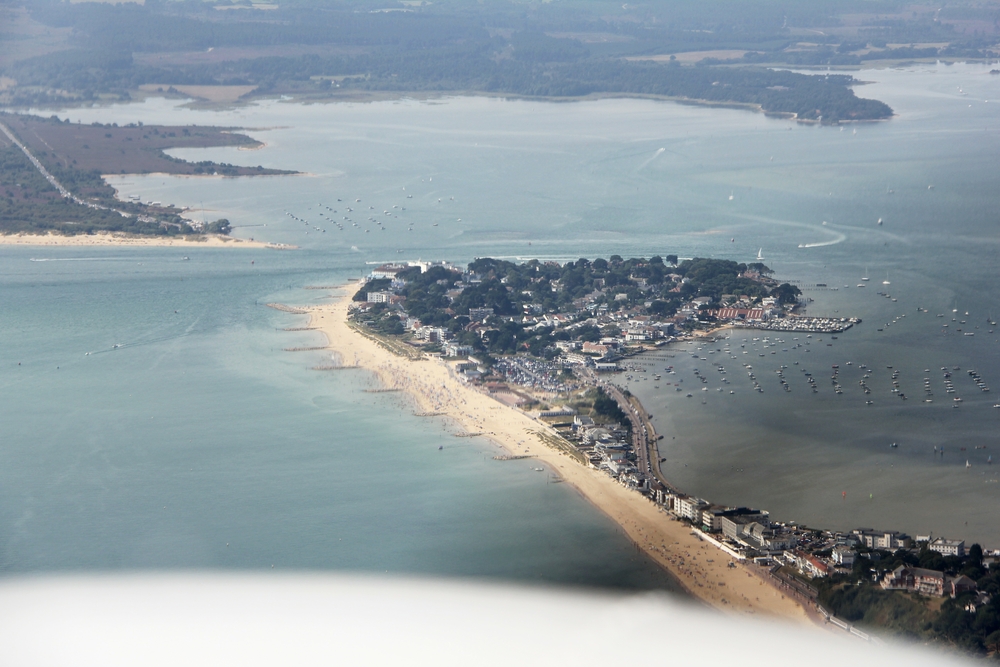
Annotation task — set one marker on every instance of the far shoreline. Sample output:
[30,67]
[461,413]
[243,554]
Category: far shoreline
[352,96]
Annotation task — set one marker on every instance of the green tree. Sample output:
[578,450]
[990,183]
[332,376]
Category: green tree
[607,407]
[786,293]
[220,226]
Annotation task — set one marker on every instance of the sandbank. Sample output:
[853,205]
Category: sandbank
[114,239]
[701,568]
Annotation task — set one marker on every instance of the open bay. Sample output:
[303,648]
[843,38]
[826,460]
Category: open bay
[200,432]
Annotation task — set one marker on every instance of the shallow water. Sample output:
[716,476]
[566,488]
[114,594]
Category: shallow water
[200,443]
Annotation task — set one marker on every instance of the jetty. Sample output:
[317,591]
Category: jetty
[287,309]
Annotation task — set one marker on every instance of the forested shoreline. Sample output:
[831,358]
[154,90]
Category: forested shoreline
[352,48]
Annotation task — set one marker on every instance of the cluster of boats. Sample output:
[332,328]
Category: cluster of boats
[329,218]
[835,378]
[373,219]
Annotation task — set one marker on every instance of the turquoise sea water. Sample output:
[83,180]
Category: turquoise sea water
[199,431]
[199,443]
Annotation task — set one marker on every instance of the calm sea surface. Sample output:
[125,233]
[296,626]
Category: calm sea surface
[198,442]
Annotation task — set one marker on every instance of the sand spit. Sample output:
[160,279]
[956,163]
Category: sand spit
[700,567]
[116,239]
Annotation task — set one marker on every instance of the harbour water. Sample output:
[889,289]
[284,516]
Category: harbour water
[199,442]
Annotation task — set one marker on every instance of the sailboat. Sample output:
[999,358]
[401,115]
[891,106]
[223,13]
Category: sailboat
[760,254]
[886,281]
[731,195]
[866,275]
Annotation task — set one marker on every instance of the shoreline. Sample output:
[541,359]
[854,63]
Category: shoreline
[125,240]
[697,566]
[358,96]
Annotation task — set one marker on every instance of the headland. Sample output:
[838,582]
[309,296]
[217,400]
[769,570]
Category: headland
[52,181]
[436,388]
[515,353]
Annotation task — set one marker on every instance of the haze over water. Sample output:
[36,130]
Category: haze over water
[200,431]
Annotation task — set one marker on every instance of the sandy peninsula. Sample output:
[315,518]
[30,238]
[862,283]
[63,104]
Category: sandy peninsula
[117,239]
[432,383]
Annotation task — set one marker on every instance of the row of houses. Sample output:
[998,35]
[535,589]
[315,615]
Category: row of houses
[927,582]
[748,530]
[893,540]
[751,532]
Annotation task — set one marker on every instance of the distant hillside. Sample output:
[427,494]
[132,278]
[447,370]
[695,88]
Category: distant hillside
[714,51]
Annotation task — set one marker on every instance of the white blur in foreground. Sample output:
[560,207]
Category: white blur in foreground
[304,620]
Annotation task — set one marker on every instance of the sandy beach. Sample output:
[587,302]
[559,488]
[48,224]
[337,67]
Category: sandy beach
[114,239]
[432,383]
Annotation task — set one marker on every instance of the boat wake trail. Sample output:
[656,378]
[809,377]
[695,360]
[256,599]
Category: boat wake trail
[85,259]
[840,239]
[657,154]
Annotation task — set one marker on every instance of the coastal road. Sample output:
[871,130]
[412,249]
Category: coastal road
[38,165]
[59,186]
[644,436]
